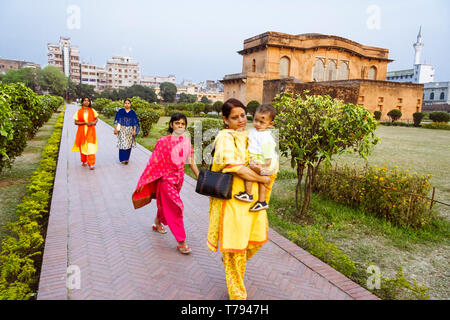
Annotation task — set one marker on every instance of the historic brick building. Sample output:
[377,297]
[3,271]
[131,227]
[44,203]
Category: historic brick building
[324,60]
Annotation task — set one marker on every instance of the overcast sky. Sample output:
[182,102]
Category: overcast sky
[199,39]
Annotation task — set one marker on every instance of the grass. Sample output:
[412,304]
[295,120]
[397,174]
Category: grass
[13,181]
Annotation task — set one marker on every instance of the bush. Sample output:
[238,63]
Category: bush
[436,125]
[138,103]
[111,108]
[418,116]
[146,120]
[198,107]
[377,115]
[197,131]
[217,106]
[394,114]
[100,103]
[394,195]
[252,106]
[21,250]
[440,116]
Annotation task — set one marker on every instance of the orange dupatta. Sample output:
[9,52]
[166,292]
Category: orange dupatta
[90,136]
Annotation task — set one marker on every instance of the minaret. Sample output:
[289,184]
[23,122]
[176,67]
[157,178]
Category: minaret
[418,47]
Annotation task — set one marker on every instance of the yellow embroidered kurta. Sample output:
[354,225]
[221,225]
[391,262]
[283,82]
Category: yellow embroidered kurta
[87,148]
[232,227]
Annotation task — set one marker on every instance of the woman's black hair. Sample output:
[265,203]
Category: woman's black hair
[90,101]
[126,99]
[230,104]
[175,117]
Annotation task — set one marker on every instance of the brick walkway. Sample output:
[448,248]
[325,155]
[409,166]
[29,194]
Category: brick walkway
[94,226]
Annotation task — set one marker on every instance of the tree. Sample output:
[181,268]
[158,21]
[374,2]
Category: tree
[54,81]
[314,129]
[29,76]
[394,114]
[168,91]
[217,106]
[198,107]
[205,100]
[252,106]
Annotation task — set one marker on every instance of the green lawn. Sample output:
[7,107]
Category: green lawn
[13,181]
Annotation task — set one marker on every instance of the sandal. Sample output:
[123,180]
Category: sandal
[84,164]
[159,229]
[184,249]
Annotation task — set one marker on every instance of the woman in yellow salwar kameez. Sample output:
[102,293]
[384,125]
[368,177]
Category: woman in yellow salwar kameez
[233,229]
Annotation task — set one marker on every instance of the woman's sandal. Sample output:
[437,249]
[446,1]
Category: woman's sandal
[184,249]
[159,229]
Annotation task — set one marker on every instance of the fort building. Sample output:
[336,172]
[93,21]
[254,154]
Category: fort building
[320,61]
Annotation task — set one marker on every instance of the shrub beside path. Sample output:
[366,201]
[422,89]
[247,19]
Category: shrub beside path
[94,227]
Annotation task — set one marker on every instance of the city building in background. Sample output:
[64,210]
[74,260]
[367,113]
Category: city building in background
[93,75]
[6,64]
[436,96]
[420,73]
[122,72]
[66,57]
[155,81]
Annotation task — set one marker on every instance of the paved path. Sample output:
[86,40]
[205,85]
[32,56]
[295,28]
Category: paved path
[93,226]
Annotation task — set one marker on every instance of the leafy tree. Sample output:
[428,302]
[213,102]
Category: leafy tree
[54,81]
[439,116]
[314,129]
[29,76]
[198,107]
[377,115]
[168,91]
[217,106]
[205,100]
[417,116]
[252,106]
[394,114]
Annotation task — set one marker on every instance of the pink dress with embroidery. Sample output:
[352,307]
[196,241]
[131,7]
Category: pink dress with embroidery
[162,179]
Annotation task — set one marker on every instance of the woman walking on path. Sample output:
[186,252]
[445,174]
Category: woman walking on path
[126,127]
[86,139]
[233,230]
[163,178]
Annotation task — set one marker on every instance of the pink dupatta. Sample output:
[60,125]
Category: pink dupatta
[167,162]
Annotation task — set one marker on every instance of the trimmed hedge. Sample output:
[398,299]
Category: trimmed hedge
[22,250]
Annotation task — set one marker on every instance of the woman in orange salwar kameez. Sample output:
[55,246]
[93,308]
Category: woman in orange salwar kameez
[233,229]
[163,178]
[86,139]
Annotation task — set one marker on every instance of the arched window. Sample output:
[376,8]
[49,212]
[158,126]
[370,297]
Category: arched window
[342,73]
[254,65]
[318,71]
[372,73]
[331,70]
[432,96]
[284,67]
[442,96]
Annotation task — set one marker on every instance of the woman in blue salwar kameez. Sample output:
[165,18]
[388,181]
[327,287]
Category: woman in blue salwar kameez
[126,127]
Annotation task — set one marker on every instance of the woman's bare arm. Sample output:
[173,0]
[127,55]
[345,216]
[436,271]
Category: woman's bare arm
[248,174]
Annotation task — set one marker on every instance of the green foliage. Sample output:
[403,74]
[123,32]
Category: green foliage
[203,134]
[111,108]
[80,90]
[395,195]
[400,288]
[54,81]
[168,91]
[100,103]
[440,116]
[377,115]
[436,125]
[316,128]
[188,98]
[138,103]
[252,106]
[22,249]
[198,107]
[329,253]
[146,120]
[29,76]
[417,116]
[394,114]
[205,100]
[217,106]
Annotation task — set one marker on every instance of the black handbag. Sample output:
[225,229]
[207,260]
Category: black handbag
[214,184]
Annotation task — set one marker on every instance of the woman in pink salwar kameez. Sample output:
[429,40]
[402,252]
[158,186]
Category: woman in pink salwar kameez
[163,178]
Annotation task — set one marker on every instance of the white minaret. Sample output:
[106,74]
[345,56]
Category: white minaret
[418,47]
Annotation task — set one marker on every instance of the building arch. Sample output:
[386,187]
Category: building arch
[285,66]
[318,70]
[372,74]
[432,96]
[442,97]
[331,70]
[254,65]
[343,71]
